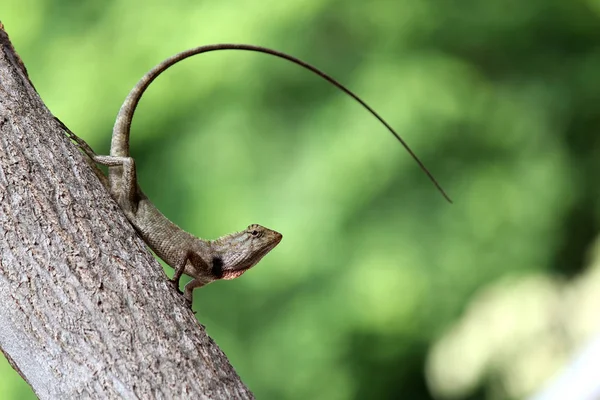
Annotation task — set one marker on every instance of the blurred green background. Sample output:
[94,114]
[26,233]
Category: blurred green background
[500,99]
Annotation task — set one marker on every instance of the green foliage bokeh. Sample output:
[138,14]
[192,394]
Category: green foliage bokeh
[498,98]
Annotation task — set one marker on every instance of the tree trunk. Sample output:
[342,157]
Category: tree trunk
[86,311]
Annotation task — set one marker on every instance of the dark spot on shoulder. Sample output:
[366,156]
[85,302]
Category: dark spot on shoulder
[217,267]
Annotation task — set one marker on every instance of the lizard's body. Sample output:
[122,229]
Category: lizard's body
[204,260]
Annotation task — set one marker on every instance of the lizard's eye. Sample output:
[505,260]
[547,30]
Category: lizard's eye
[254,233]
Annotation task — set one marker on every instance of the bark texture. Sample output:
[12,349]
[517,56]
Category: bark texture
[86,311]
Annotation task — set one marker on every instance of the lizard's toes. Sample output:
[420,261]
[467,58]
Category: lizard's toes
[175,284]
[188,303]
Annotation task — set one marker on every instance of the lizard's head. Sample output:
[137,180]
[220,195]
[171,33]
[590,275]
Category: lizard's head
[238,252]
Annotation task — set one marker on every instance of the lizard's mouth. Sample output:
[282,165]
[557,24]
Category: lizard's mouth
[228,275]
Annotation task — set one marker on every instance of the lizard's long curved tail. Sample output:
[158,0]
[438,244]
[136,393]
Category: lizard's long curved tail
[120,138]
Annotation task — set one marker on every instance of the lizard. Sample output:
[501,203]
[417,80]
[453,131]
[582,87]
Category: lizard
[204,260]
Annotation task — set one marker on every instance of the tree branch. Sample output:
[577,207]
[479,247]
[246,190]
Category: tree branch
[86,310]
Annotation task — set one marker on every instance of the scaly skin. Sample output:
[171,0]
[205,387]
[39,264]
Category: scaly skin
[205,261]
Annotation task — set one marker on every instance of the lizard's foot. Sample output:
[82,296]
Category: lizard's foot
[188,303]
[175,284]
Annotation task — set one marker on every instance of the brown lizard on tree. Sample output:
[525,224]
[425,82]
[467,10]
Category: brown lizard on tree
[204,260]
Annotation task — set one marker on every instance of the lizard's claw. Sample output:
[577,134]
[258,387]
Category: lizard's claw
[188,303]
[175,284]
[80,142]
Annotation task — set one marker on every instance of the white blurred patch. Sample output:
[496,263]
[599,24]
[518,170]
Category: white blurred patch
[519,333]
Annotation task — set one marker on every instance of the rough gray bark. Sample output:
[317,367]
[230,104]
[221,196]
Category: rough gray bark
[86,311]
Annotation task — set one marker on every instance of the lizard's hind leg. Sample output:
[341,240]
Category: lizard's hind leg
[126,190]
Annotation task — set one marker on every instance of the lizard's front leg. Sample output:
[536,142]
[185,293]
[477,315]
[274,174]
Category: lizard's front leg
[198,265]
[180,269]
[189,288]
